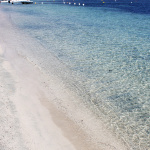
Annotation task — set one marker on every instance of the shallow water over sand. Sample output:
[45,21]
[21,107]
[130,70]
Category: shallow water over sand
[105,59]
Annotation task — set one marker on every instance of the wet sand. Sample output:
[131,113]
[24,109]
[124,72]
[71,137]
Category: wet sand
[39,112]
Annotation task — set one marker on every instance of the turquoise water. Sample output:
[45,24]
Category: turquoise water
[107,52]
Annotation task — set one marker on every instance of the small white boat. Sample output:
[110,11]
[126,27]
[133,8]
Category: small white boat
[20,2]
[27,2]
[4,1]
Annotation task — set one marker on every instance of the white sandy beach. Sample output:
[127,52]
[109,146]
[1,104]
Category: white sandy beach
[39,113]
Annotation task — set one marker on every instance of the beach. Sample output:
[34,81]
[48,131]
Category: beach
[38,111]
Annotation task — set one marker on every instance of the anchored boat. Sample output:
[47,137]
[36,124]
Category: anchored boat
[20,1]
[4,1]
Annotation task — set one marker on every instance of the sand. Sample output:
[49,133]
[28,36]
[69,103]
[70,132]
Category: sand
[39,112]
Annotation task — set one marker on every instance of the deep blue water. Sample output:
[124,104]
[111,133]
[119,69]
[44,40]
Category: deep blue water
[107,51]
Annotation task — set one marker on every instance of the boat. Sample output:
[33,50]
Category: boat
[27,2]
[4,2]
[20,1]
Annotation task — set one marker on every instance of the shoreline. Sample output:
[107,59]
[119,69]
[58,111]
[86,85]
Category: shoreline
[30,93]
[35,100]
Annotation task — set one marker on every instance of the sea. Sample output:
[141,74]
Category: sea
[106,54]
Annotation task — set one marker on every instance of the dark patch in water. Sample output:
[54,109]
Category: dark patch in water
[125,102]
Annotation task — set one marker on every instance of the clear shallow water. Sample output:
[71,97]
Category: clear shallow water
[108,54]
